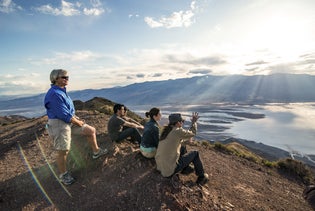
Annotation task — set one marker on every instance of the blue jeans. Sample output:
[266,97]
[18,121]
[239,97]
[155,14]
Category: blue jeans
[130,132]
[186,158]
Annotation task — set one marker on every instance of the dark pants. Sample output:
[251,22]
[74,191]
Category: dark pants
[130,132]
[186,158]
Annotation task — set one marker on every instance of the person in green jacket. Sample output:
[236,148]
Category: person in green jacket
[171,156]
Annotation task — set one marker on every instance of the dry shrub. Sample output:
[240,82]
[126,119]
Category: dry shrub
[296,169]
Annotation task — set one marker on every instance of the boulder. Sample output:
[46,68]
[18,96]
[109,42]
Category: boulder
[309,195]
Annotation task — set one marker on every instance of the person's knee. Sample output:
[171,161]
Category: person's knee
[135,131]
[196,155]
[183,150]
[136,134]
[93,132]
[89,130]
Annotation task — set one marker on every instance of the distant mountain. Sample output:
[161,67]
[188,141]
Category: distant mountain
[277,88]
[208,89]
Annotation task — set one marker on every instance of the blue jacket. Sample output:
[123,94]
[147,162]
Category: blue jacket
[151,133]
[58,104]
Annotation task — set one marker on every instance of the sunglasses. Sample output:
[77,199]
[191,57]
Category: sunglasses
[65,77]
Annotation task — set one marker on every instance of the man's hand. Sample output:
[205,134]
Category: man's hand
[75,120]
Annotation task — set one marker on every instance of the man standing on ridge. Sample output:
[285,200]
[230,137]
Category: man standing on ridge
[62,121]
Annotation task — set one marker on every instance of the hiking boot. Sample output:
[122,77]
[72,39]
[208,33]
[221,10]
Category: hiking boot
[203,179]
[66,179]
[100,153]
[188,170]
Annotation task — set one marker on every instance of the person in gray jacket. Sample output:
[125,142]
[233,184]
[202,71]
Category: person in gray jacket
[116,123]
[171,157]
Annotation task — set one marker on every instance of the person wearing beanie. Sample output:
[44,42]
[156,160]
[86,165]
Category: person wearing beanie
[171,156]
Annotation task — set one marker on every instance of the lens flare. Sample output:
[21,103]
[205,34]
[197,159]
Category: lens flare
[34,176]
[50,167]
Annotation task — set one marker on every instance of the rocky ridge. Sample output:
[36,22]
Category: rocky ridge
[124,180]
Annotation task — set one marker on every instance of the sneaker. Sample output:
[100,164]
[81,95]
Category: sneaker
[188,170]
[100,153]
[203,179]
[66,179]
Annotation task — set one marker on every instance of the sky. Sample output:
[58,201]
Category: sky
[108,43]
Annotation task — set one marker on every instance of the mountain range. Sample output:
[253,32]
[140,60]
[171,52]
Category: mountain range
[257,89]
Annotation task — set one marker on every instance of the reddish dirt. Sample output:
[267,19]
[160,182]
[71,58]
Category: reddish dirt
[124,180]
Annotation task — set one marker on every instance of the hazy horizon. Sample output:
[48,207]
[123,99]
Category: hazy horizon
[69,89]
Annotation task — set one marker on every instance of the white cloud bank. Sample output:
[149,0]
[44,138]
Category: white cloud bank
[72,9]
[176,19]
[8,6]
[65,9]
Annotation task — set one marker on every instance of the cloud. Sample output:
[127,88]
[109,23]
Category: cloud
[308,59]
[152,23]
[308,55]
[282,68]
[67,58]
[93,11]
[8,6]
[72,9]
[257,63]
[96,9]
[133,16]
[304,64]
[156,75]
[140,75]
[11,84]
[176,19]
[200,71]
[272,64]
[212,60]
[66,9]
[256,70]
[189,59]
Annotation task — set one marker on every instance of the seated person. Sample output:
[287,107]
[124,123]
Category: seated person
[171,157]
[151,134]
[125,117]
[116,124]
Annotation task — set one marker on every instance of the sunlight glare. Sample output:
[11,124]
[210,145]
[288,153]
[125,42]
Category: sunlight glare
[285,35]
